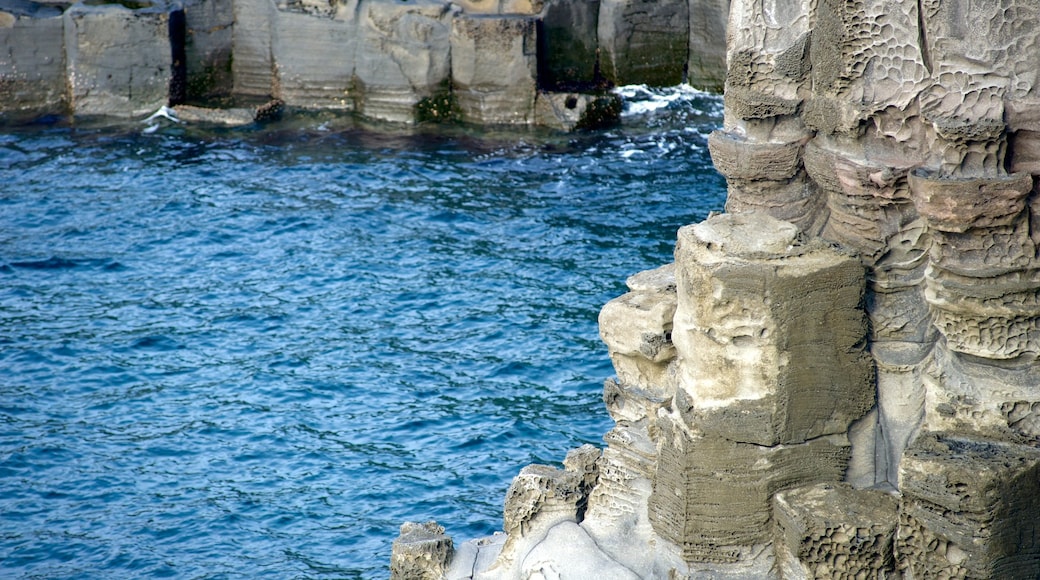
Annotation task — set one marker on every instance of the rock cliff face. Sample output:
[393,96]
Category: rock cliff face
[838,377]
[544,62]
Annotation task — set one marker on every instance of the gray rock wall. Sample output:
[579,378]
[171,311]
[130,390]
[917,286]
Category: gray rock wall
[387,60]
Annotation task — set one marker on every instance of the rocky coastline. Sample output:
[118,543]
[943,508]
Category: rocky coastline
[838,377]
[482,62]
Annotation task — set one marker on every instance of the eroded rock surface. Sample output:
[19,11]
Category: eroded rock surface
[543,62]
[839,378]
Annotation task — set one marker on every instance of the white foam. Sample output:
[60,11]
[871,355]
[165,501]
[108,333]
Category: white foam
[641,99]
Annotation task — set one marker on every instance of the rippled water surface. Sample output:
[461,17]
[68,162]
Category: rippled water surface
[255,353]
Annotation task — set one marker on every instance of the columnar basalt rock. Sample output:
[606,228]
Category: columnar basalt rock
[831,530]
[118,58]
[644,41]
[494,68]
[387,60]
[32,76]
[906,134]
[968,509]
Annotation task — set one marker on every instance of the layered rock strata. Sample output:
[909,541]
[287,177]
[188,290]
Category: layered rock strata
[839,377]
[480,61]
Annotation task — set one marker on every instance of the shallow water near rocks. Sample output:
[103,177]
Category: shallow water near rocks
[255,353]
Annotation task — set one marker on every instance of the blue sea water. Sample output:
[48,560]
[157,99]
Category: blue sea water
[254,353]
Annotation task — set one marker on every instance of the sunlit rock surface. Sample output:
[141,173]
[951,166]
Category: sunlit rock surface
[839,377]
[486,62]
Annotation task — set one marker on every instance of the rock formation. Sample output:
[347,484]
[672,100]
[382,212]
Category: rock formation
[526,62]
[839,377]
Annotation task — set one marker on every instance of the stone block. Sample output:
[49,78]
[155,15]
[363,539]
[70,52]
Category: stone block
[831,530]
[769,331]
[494,68]
[315,57]
[957,205]
[570,111]
[421,552]
[403,57]
[644,41]
[32,61]
[119,59]
[208,42]
[968,509]
[253,66]
[712,496]
[569,43]
[706,68]
[637,329]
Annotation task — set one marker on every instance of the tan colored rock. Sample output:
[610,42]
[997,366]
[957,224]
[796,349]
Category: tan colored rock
[305,75]
[831,530]
[711,496]
[769,332]
[403,57]
[494,68]
[252,65]
[637,328]
[421,552]
[968,509]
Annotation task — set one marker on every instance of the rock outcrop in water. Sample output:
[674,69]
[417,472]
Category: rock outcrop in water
[839,377]
[526,62]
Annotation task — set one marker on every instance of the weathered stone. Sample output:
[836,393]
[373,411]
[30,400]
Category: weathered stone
[644,41]
[403,57]
[32,60]
[865,58]
[209,37]
[830,530]
[569,45]
[968,509]
[302,46]
[539,498]
[570,111]
[982,397]
[119,60]
[769,332]
[737,158]
[957,205]
[706,68]
[421,552]
[711,496]
[637,328]
[493,68]
[584,461]
[252,65]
